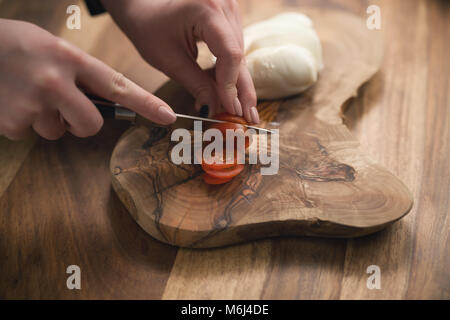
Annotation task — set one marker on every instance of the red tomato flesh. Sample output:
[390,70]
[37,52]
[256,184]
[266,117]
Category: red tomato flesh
[229,117]
[219,173]
[219,166]
[211,180]
[226,173]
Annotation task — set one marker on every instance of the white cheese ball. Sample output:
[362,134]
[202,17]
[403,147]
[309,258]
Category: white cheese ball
[283,55]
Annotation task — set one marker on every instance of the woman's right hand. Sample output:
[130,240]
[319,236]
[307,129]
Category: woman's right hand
[40,80]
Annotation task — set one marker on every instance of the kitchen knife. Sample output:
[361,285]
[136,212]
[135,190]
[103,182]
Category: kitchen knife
[111,110]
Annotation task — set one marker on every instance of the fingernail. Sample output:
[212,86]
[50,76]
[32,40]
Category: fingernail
[204,111]
[237,107]
[166,115]
[254,114]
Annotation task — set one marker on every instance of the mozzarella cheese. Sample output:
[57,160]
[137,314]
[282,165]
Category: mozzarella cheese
[283,54]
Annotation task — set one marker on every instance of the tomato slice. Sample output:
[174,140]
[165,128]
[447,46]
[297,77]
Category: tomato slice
[223,127]
[219,173]
[212,180]
[229,117]
[219,166]
[226,173]
[226,163]
[237,122]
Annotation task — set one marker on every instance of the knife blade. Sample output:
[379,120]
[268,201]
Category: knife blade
[185,116]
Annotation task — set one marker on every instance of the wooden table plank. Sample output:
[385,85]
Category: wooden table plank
[61,210]
[397,119]
[12,156]
[388,115]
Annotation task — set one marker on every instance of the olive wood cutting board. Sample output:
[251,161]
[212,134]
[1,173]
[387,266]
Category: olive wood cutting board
[326,185]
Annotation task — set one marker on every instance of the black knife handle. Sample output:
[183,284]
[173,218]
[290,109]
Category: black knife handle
[106,108]
[107,112]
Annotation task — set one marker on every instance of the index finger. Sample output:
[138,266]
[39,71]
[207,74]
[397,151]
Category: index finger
[104,81]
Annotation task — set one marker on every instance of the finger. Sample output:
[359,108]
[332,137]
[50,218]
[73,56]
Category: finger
[80,116]
[198,82]
[15,129]
[50,125]
[245,86]
[16,134]
[247,95]
[231,12]
[102,80]
[221,40]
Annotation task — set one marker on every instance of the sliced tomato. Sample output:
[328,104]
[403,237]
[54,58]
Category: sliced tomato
[237,122]
[223,127]
[219,166]
[227,173]
[229,117]
[212,180]
[216,165]
[219,173]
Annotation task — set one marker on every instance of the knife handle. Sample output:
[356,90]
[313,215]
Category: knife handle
[111,110]
[107,112]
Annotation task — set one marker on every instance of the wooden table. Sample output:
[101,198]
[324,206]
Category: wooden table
[57,207]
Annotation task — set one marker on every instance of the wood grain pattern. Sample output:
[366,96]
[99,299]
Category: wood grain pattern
[325,185]
[391,118]
[401,117]
[68,217]
[60,209]
[11,158]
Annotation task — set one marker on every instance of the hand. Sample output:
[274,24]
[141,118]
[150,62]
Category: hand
[165,32]
[39,86]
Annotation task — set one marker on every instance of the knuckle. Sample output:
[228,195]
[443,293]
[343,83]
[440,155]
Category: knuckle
[235,55]
[149,102]
[232,4]
[119,85]
[66,51]
[213,4]
[49,79]
[251,96]
[229,86]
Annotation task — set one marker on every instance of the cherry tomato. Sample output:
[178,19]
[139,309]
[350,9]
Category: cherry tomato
[211,180]
[219,166]
[229,117]
[219,173]
[226,173]
[226,163]
[237,124]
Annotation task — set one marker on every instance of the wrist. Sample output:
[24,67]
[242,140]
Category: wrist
[122,13]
